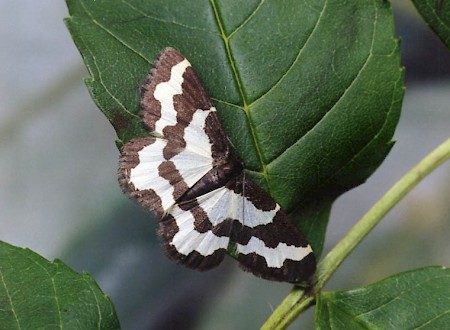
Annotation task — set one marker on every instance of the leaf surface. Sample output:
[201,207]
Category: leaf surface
[38,294]
[436,14]
[309,92]
[417,299]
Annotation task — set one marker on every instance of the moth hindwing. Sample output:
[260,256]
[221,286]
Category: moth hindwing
[184,173]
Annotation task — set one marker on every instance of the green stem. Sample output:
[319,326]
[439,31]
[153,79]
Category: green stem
[296,301]
[286,313]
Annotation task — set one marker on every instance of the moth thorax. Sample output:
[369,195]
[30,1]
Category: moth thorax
[229,169]
[217,177]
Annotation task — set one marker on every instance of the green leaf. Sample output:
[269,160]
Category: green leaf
[436,14]
[38,294]
[410,300]
[309,92]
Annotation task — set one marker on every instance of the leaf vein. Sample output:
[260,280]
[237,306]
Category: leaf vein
[52,279]
[99,322]
[438,17]
[401,293]
[300,52]
[115,99]
[369,56]
[97,67]
[245,21]
[146,15]
[227,103]
[8,295]
[437,317]
[112,34]
[367,144]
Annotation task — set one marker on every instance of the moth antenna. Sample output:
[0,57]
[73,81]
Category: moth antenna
[231,143]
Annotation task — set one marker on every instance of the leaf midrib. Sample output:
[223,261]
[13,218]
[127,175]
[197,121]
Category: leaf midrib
[245,102]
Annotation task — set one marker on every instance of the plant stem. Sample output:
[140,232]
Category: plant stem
[296,302]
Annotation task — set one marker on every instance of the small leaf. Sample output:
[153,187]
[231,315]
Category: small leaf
[436,14]
[411,300]
[309,92]
[38,294]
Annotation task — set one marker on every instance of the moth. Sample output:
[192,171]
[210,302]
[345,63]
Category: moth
[184,172]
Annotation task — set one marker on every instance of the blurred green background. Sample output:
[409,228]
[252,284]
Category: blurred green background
[59,194]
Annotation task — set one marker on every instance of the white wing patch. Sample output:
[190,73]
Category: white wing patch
[145,175]
[196,159]
[164,93]
[188,240]
[274,257]
[224,203]
[195,136]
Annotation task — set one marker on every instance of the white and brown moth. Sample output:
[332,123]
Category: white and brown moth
[185,174]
